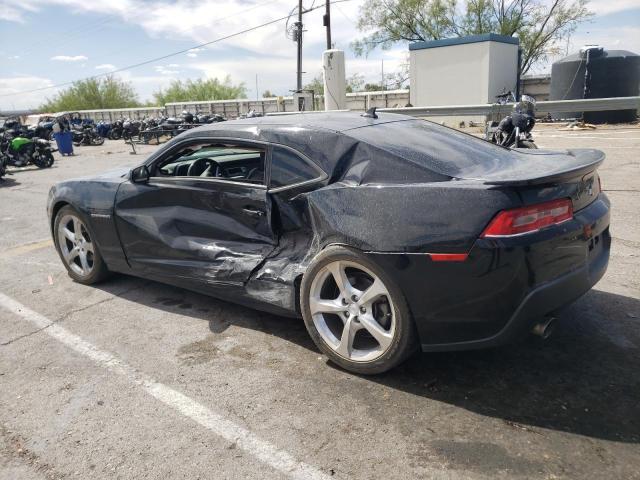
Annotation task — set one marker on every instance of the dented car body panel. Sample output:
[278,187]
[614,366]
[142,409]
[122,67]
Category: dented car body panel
[395,188]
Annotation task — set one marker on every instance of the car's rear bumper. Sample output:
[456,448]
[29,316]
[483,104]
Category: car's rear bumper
[506,286]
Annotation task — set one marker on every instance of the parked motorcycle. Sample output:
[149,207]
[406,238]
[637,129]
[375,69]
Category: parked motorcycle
[130,128]
[514,131]
[20,151]
[115,133]
[103,128]
[86,135]
[3,165]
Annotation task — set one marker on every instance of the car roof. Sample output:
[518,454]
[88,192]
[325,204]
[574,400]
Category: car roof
[334,121]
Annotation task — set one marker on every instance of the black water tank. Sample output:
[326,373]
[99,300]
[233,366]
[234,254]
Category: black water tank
[597,73]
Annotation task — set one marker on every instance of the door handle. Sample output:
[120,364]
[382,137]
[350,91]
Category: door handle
[253,212]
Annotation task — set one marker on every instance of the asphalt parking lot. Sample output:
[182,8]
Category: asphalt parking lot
[135,379]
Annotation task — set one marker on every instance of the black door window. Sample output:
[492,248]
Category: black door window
[289,168]
[224,162]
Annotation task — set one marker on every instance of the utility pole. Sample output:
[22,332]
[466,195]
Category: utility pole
[326,21]
[257,88]
[299,40]
[382,76]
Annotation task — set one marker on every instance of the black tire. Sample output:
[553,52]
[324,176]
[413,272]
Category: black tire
[404,342]
[527,144]
[44,160]
[97,140]
[99,271]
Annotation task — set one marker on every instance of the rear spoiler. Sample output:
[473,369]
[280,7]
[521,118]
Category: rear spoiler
[544,167]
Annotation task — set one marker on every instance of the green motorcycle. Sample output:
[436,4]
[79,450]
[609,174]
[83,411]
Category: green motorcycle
[20,151]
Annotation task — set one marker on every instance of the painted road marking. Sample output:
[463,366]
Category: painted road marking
[22,249]
[590,136]
[215,422]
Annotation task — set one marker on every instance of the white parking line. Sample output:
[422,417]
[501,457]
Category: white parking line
[215,422]
[590,136]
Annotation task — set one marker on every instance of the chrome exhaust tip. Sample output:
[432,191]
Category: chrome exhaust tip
[545,328]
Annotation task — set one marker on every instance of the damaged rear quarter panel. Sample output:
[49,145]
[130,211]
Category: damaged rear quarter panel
[434,217]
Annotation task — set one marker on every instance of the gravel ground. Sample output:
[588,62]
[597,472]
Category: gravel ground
[213,390]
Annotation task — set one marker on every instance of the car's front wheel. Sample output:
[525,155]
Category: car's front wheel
[355,313]
[76,247]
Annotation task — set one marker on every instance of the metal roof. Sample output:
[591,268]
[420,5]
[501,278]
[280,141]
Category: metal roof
[447,42]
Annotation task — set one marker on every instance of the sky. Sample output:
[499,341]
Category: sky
[47,42]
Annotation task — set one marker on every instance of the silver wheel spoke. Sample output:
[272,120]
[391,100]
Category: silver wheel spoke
[345,347]
[89,247]
[340,277]
[71,254]
[372,293]
[84,262]
[77,229]
[68,234]
[383,337]
[318,305]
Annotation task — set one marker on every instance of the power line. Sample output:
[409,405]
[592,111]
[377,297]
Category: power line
[163,57]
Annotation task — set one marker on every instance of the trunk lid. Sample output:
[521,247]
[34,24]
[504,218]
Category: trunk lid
[541,167]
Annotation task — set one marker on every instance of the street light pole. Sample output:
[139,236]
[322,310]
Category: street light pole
[299,40]
[326,21]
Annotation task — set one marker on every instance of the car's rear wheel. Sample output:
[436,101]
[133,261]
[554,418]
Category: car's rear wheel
[76,247]
[355,313]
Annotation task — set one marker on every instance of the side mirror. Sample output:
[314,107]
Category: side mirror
[140,174]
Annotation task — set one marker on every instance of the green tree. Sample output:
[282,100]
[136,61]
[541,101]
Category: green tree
[200,90]
[268,94]
[354,84]
[93,93]
[316,84]
[542,26]
[372,87]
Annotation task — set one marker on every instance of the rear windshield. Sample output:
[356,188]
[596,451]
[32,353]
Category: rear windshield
[440,149]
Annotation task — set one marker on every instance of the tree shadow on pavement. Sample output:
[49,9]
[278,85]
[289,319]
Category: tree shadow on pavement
[584,379]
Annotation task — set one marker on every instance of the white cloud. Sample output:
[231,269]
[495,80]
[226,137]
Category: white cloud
[13,85]
[69,58]
[605,7]
[105,66]
[166,69]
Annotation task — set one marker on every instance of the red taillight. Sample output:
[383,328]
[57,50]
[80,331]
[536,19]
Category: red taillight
[529,219]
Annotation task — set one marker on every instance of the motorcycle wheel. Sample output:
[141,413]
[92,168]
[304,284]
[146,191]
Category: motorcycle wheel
[527,144]
[97,140]
[44,160]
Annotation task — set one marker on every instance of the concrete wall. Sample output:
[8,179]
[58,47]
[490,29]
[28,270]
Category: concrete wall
[538,86]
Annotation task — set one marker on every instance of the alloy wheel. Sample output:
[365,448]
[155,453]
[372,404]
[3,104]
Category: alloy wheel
[76,245]
[352,311]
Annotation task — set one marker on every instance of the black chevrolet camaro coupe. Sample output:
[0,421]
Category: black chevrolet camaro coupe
[383,232]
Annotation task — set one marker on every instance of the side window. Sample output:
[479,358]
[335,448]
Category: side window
[288,168]
[221,161]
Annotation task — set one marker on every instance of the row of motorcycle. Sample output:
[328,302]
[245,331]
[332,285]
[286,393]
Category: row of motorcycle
[21,146]
[154,128]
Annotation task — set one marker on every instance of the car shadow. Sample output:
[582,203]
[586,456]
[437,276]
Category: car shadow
[584,379]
